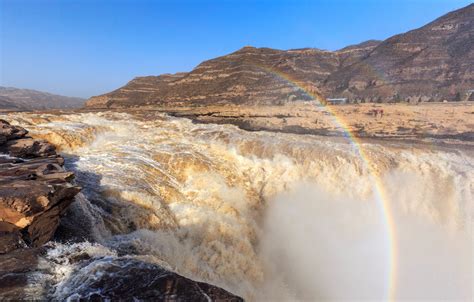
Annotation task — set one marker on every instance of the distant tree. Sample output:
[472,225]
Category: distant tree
[457,97]
[396,98]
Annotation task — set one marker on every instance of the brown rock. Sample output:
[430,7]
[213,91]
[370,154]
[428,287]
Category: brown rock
[34,193]
[10,237]
[53,171]
[35,207]
[8,132]
[29,148]
[16,269]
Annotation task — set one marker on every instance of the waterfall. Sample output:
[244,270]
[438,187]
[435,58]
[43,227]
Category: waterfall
[264,215]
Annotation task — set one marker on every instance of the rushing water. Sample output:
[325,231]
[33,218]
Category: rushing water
[263,215]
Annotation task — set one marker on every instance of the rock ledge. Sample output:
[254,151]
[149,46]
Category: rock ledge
[35,189]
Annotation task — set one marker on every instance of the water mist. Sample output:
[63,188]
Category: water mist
[319,247]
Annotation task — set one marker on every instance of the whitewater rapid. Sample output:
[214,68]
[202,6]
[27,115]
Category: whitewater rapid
[263,215]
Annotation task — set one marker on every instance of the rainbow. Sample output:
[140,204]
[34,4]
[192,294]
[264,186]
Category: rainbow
[379,191]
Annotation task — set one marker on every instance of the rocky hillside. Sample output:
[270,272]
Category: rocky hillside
[248,76]
[7,104]
[434,62]
[26,99]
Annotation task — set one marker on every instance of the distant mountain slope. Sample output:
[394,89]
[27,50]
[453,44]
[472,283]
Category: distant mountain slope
[6,103]
[434,62]
[249,75]
[26,99]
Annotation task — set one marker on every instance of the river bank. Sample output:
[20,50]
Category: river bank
[445,123]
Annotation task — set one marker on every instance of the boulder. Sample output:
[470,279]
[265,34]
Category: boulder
[30,274]
[8,132]
[34,207]
[28,147]
[135,280]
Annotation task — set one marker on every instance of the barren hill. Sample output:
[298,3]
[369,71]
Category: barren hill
[26,99]
[7,103]
[434,62]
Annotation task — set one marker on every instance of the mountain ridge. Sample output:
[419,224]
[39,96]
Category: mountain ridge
[431,63]
[12,98]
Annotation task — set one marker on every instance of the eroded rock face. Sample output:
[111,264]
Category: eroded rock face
[35,190]
[434,62]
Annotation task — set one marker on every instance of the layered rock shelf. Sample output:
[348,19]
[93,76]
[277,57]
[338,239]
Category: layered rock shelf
[35,189]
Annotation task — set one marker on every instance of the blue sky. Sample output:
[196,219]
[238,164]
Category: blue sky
[85,47]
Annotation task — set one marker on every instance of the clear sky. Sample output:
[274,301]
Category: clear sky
[84,47]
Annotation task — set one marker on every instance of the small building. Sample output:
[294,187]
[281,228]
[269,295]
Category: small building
[337,101]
